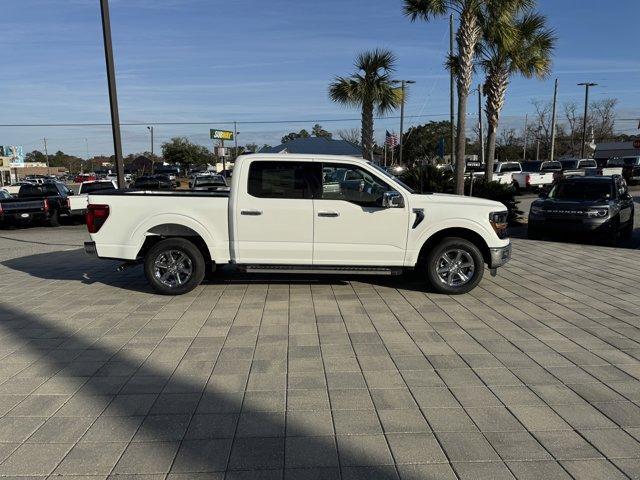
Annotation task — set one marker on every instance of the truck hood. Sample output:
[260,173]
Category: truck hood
[458,200]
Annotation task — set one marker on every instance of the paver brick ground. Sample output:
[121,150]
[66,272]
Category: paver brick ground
[535,374]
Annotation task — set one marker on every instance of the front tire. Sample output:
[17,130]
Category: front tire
[455,266]
[174,266]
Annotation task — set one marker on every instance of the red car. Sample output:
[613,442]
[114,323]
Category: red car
[85,177]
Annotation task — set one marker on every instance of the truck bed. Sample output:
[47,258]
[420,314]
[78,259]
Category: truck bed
[135,215]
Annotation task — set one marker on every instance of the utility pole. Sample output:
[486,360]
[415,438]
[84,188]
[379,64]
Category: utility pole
[524,150]
[451,95]
[553,123]
[235,139]
[586,86]
[46,153]
[86,144]
[538,144]
[481,141]
[113,96]
[403,85]
[152,155]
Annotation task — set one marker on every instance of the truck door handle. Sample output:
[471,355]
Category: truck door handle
[253,213]
[328,214]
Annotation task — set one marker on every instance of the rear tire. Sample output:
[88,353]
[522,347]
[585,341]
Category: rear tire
[174,266]
[455,266]
[54,219]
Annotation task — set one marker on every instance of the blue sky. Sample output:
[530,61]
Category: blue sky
[251,60]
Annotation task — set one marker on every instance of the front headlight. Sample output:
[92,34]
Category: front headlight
[537,210]
[499,221]
[597,212]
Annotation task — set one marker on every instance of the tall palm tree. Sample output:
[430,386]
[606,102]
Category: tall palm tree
[522,47]
[369,88]
[467,38]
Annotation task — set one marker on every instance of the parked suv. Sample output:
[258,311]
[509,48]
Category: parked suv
[595,206]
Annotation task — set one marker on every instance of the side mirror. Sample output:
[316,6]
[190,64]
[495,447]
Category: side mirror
[392,199]
[71,192]
[544,195]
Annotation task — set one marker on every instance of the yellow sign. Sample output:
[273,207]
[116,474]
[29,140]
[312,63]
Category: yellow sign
[220,134]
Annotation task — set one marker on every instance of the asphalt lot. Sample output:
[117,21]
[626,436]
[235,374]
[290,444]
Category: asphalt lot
[534,375]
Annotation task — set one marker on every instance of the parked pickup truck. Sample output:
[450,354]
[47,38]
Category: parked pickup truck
[613,166]
[44,202]
[536,175]
[78,203]
[580,167]
[285,215]
[503,171]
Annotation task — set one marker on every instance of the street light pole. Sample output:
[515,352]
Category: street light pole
[113,96]
[524,149]
[152,155]
[553,123]
[586,86]
[403,86]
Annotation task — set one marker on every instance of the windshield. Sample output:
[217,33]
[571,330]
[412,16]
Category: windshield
[387,174]
[581,191]
[631,161]
[615,162]
[531,166]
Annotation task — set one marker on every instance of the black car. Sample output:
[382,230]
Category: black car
[209,183]
[153,182]
[585,206]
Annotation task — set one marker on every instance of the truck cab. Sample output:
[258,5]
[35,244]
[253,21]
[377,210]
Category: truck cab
[302,214]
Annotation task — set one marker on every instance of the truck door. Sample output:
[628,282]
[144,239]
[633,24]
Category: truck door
[350,225]
[274,214]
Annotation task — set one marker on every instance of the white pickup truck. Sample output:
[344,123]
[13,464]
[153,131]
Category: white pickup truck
[301,214]
[78,202]
[536,174]
[503,172]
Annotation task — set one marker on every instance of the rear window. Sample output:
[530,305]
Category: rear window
[98,186]
[531,166]
[631,161]
[210,182]
[615,162]
[587,164]
[38,191]
[510,167]
[279,180]
[551,167]
[569,164]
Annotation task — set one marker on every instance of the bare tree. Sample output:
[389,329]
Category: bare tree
[351,135]
[602,118]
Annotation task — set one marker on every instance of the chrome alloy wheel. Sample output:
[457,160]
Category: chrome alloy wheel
[455,267]
[173,268]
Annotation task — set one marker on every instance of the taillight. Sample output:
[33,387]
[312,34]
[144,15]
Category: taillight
[68,203]
[96,216]
[527,180]
[45,205]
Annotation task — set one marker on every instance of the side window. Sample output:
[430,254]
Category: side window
[279,180]
[352,184]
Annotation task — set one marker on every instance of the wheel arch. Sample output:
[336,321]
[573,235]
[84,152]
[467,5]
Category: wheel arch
[459,232]
[174,230]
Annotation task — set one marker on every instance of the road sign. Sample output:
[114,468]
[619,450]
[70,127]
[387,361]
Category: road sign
[220,134]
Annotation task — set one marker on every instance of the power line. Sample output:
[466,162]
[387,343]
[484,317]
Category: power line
[256,122]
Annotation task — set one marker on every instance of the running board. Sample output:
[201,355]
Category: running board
[329,270]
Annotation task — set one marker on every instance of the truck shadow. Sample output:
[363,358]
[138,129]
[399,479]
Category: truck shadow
[75,265]
[210,443]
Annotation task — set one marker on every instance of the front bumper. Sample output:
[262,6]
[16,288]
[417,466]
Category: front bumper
[572,226]
[90,249]
[499,256]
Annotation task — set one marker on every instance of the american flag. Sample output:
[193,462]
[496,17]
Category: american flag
[391,140]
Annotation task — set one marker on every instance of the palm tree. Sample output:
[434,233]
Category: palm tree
[467,38]
[369,88]
[523,46]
